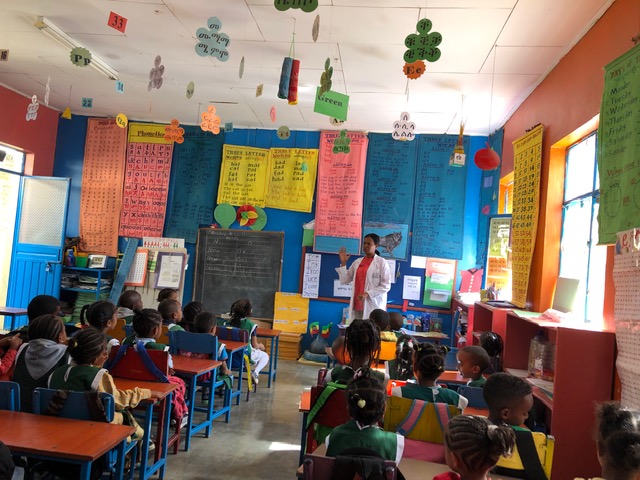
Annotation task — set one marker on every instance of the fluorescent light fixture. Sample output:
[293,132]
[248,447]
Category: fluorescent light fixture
[53,31]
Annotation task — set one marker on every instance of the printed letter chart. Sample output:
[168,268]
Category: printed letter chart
[101,194]
[293,178]
[244,176]
[146,183]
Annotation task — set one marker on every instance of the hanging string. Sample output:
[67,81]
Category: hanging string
[69,102]
[493,78]
[292,48]
[198,116]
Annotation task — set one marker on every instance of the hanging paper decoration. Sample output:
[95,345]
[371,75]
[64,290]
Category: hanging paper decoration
[191,88]
[285,75]
[210,121]
[32,109]
[211,42]
[173,132]
[325,78]
[403,129]
[47,91]
[423,45]
[315,30]
[304,5]
[228,127]
[458,156]
[261,221]
[414,70]
[80,57]
[117,22]
[155,74]
[121,120]
[241,69]
[87,102]
[293,83]
[66,114]
[336,122]
[283,132]
[259,89]
[119,86]
[487,158]
[272,114]
[341,143]
[225,215]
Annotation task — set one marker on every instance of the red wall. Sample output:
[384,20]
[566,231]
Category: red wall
[36,137]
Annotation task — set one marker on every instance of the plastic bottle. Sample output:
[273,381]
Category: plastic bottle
[425,322]
[70,259]
[541,357]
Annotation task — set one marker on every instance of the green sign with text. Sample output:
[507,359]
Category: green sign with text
[332,104]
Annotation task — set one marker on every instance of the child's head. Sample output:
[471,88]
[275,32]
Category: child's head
[190,310]
[47,327]
[380,318]
[42,305]
[240,309]
[473,361]
[205,322]
[396,321]
[362,341]
[101,315]
[170,310]
[167,294]
[147,323]
[618,441]
[365,398]
[130,299]
[404,358]
[428,362]
[88,347]
[509,398]
[339,351]
[473,445]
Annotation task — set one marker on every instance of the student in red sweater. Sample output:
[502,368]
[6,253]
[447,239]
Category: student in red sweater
[13,343]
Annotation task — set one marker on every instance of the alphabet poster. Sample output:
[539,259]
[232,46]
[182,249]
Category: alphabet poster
[146,181]
[293,178]
[527,158]
[340,193]
[244,176]
[101,194]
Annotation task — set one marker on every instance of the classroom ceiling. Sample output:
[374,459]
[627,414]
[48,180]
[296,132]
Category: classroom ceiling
[363,38]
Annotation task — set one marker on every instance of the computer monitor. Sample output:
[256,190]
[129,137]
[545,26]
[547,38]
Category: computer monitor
[565,296]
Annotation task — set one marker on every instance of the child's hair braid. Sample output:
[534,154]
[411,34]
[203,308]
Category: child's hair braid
[98,314]
[239,310]
[166,293]
[429,360]
[618,437]
[365,397]
[404,358]
[190,310]
[363,339]
[145,320]
[478,443]
[48,327]
[87,345]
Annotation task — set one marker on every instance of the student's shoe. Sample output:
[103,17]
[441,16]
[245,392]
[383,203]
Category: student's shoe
[184,421]
[255,377]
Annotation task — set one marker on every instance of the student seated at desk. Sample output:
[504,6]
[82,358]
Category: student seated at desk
[147,327]
[362,342]
[472,446]
[46,351]
[128,303]
[88,351]
[171,312]
[167,294]
[396,322]
[103,316]
[381,320]
[618,441]
[11,343]
[428,365]
[366,398]
[189,312]
[472,362]
[402,367]
[38,306]
[205,323]
[240,313]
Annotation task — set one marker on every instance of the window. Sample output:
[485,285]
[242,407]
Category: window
[580,257]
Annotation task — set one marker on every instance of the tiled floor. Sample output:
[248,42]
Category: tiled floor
[262,440]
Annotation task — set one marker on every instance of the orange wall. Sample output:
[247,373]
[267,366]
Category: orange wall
[566,100]
[36,137]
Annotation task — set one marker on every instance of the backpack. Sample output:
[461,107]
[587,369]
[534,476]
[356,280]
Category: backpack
[532,458]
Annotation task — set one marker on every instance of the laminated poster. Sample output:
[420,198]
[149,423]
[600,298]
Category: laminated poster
[291,312]
[243,176]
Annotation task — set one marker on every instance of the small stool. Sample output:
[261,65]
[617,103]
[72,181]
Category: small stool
[13,313]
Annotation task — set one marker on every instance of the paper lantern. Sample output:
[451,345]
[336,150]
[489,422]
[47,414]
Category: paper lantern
[293,83]
[285,76]
[486,158]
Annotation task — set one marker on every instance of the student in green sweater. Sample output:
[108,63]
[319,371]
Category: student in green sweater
[171,312]
[472,362]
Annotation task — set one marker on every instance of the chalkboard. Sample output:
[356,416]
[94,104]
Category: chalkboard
[234,264]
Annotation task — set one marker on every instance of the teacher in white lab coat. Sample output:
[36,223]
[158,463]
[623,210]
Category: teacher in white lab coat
[370,276]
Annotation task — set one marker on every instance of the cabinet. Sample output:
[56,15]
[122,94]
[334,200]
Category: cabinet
[487,318]
[95,281]
[468,310]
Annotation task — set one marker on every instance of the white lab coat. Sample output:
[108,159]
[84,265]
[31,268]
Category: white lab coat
[377,284]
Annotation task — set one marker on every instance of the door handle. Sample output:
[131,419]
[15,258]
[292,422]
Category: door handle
[49,264]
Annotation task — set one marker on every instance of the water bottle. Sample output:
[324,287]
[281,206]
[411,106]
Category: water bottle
[541,357]
[425,322]
[70,260]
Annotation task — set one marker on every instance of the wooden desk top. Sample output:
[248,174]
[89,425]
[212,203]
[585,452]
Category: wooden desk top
[60,437]
[267,332]
[452,376]
[232,346]
[193,366]
[159,390]
[12,311]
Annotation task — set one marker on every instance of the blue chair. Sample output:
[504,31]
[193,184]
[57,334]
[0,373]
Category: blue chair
[238,360]
[10,396]
[474,395]
[202,344]
[75,406]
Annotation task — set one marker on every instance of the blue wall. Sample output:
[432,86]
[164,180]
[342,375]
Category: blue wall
[68,163]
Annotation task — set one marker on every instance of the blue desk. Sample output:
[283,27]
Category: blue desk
[13,313]
[274,335]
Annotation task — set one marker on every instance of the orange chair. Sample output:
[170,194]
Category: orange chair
[119,332]
[331,414]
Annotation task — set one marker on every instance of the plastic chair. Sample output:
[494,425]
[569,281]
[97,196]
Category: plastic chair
[119,331]
[316,467]
[163,338]
[474,395]
[201,343]
[76,406]
[331,414]
[10,396]
[244,365]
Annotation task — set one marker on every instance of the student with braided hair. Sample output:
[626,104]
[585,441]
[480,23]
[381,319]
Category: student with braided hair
[240,313]
[428,365]
[189,312]
[362,344]
[473,445]
[88,349]
[103,316]
[366,399]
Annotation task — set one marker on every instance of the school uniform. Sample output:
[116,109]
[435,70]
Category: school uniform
[433,394]
[258,357]
[149,344]
[343,374]
[174,327]
[479,383]
[389,445]
[126,314]
[388,336]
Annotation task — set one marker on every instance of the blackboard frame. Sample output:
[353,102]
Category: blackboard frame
[260,290]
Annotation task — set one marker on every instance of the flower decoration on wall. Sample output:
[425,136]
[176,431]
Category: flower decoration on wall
[246,215]
[210,121]
[173,132]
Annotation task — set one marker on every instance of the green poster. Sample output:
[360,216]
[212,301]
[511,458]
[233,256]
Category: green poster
[332,104]
[619,147]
